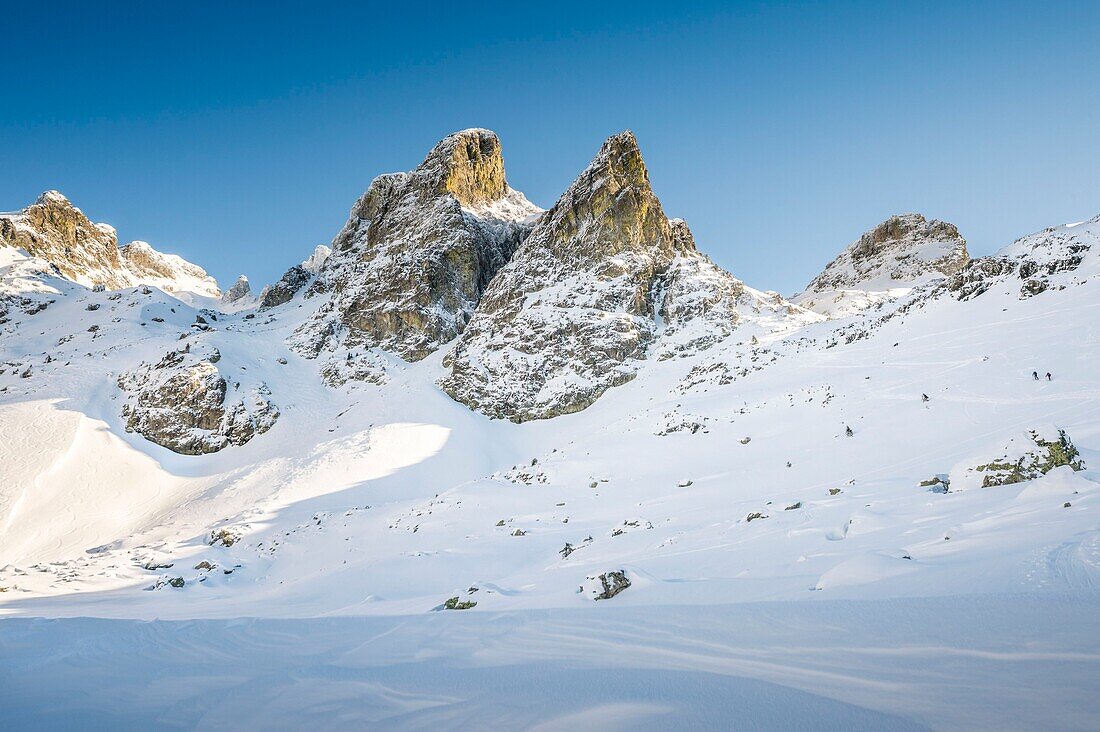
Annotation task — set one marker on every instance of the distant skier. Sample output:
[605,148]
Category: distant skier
[1035,375]
[924,397]
[1048,376]
[848,431]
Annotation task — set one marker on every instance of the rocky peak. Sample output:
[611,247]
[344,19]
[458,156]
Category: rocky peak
[171,273]
[902,252]
[603,273]
[613,191]
[417,252]
[469,166]
[240,290]
[55,230]
[52,229]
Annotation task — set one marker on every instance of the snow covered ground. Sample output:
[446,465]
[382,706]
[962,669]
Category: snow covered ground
[783,573]
[995,662]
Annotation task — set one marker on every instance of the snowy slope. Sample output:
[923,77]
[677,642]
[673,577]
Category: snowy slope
[712,480]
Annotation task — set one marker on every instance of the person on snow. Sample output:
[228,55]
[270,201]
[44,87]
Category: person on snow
[1035,375]
[1048,376]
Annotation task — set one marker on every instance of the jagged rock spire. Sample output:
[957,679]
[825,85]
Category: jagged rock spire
[469,166]
[418,251]
[579,303]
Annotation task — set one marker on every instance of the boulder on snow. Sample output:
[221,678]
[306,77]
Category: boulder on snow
[937,484]
[223,537]
[1023,457]
[180,403]
[607,585]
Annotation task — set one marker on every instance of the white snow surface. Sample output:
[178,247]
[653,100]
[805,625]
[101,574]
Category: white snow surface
[857,598]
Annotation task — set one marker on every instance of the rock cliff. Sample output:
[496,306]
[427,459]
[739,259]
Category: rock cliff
[410,266]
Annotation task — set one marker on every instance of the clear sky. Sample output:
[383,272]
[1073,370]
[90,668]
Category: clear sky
[238,135]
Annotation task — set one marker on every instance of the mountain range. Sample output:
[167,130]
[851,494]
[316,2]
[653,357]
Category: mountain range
[468,403]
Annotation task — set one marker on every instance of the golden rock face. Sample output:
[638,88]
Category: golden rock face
[474,172]
[610,209]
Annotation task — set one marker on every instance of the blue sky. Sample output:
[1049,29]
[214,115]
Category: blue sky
[239,135]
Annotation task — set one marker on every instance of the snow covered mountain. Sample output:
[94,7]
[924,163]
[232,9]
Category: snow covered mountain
[474,446]
[411,264]
[587,294]
[171,273]
[887,262]
[55,231]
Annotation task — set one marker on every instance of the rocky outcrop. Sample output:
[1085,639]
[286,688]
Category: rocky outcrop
[1024,457]
[589,290]
[283,291]
[295,279]
[605,586]
[240,290]
[417,252]
[181,403]
[1050,259]
[889,260]
[58,232]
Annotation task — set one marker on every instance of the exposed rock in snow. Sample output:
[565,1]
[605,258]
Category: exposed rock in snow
[603,273]
[606,586]
[171,273]
[180,403]
[885,263]
[289,285]
[294,279]
[238,292]
[418,251]
[1024,457]
[1052,258]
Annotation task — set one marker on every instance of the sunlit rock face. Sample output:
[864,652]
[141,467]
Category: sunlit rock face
[184,403]
[55,230]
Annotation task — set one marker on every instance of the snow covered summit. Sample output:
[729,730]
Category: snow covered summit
[52,229]
[417,252]
[888,261]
